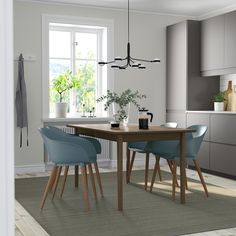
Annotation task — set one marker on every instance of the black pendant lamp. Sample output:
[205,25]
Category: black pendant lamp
[128,61]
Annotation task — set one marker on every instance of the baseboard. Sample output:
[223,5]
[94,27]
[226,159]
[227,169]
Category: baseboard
[101,163]
[139,162]
[29,169]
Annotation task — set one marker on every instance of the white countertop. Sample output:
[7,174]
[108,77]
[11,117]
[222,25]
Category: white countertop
[214,112]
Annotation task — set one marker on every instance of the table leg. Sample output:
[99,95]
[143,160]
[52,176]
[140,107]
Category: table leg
[127,163]
[120,173]
[182,168]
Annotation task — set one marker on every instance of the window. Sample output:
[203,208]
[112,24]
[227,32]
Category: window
[75,46]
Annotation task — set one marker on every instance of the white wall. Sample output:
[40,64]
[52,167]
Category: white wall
[224,81]
[6,120]
[148,40]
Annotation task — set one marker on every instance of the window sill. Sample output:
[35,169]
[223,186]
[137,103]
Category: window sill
[77,120]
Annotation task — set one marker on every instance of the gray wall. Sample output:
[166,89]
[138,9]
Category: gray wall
[148,40]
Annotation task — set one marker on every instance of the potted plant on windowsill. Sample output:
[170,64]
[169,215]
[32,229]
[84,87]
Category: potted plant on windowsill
[120,104]
[62,84]
[218,102]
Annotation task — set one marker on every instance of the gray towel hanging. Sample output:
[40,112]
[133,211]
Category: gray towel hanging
[21,100]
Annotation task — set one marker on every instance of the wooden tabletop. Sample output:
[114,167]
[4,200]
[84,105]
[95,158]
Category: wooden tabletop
[128,132]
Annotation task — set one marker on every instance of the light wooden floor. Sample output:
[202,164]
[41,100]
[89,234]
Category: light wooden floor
[27,226]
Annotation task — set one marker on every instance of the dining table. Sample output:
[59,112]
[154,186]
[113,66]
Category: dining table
[130,133]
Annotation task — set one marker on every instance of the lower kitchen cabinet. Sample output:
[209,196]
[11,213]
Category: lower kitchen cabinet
[218,150]
[223,158]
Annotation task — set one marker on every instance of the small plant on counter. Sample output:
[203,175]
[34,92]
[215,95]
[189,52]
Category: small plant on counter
[218,97]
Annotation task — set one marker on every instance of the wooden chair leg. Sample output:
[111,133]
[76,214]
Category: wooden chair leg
[48,186]
[92,181]
[76,176]
[171,170]
[64,180]
[200,176]
[186,183]
[56,181]
[86,176]
[53,181]
[98,178]
[127,163]
[146,170]
[154,175]
[173,180]
[131,166]
[158,167]
[85,187]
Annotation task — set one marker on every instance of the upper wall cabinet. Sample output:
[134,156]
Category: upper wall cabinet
[212,40]
[230,40]
[186,89]
[218,51]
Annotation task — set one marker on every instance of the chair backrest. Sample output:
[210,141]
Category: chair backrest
[170,148]
[67,150]
[141,145]
[95,142]
[194,140]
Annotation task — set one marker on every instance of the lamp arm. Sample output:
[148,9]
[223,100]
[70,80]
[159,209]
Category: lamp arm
[145,60]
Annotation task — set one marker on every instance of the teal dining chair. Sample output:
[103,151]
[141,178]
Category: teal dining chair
[97,147]
[65,150]
[140,147]
[169,150]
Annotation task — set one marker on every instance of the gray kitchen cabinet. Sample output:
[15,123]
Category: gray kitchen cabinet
[176,66]
[222,158]
[218,52]
[218,149]
[230,40]
[212,43]
[223,129]
[185,88]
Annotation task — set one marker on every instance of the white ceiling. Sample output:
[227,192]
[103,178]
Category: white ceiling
[193,8]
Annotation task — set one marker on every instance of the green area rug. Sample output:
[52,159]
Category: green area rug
[144,214]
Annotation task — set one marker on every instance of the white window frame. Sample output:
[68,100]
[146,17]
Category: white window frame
[106,73]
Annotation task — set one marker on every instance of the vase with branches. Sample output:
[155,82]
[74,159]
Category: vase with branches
[120,103]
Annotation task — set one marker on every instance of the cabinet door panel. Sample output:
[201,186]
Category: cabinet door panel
[176,66]
[223,129]
[199,119]
[223,158]
[212,41]
[230,40]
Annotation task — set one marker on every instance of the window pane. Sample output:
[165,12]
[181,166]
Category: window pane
[86,95]
[86,46]
[59,44]
[57,66]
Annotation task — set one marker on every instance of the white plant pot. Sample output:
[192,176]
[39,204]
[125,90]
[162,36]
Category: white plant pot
[218,106]
[60,109]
